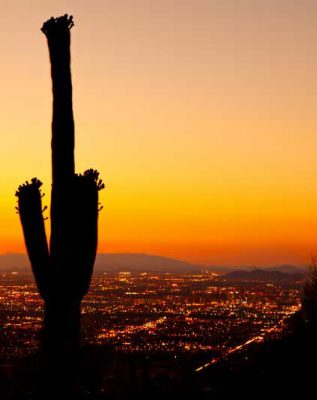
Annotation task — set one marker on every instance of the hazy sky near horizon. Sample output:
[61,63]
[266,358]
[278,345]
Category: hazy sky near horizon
[199,114]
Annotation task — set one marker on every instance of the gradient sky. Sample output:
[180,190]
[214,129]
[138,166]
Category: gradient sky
[199,114]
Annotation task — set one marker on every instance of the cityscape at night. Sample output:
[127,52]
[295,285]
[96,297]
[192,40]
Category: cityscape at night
[202,314]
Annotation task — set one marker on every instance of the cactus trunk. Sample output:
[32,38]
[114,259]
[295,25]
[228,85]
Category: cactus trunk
[61,332]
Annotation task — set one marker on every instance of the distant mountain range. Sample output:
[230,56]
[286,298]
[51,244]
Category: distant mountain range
[116,262]
[264,275]
[14,262]
[290,269]
[135,262]
[142,263]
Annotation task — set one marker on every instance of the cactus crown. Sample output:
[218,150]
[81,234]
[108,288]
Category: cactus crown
[28,187]
[54,26]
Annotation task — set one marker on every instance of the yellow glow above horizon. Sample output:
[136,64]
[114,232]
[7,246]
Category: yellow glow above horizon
[199,114]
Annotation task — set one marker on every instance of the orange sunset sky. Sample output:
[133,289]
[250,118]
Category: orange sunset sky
[201,116]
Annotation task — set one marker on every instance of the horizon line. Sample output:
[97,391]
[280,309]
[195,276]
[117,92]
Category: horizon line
[185,261]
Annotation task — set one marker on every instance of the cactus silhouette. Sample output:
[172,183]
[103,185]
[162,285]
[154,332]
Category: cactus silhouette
[63,269]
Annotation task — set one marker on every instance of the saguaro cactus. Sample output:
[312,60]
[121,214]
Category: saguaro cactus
[62,270]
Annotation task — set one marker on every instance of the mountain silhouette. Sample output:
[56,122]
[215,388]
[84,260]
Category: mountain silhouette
[141,262]
[260,274]
[288,269]
[114,262]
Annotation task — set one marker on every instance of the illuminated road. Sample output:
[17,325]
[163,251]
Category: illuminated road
[132,329]
[255,339]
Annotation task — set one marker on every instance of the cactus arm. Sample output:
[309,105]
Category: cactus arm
[85,234]
[31,215]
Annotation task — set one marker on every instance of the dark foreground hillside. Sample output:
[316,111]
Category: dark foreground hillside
[275,369]
[281,368]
